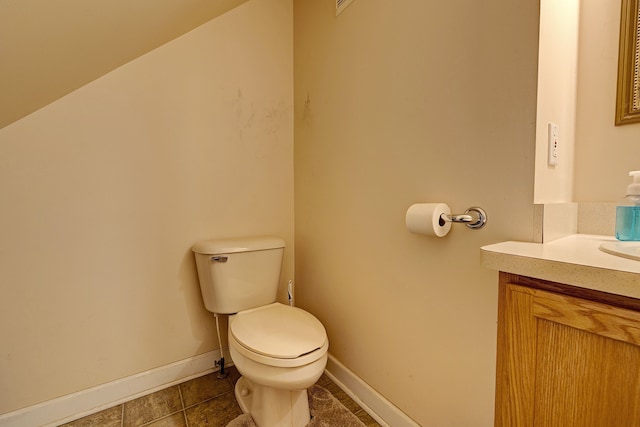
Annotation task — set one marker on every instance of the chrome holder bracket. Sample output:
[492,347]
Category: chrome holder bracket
[473,218]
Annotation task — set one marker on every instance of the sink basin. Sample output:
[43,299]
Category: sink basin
[629,250]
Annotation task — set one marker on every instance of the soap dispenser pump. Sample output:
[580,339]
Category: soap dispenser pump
[628,217]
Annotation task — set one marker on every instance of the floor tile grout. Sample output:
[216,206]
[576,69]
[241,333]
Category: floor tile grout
[205,400]
[184,413]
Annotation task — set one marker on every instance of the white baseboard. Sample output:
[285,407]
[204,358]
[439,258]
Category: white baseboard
[383,411]
[85,402]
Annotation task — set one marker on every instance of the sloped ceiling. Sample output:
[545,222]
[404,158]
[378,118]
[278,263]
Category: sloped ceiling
[49,48]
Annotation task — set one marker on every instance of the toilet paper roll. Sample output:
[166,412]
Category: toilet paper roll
[424,218]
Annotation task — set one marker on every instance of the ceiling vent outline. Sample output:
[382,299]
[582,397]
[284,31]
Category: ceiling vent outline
[342,5]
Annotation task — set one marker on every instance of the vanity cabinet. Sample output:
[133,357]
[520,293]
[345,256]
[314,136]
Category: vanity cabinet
[567,356]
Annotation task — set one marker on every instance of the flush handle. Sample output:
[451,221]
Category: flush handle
[219,258]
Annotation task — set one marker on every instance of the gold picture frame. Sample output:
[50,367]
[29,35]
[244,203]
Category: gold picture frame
[628,96]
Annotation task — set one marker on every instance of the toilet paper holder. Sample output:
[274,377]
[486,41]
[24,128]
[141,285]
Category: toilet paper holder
[474,218]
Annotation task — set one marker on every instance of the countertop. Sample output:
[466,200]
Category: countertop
[574,260]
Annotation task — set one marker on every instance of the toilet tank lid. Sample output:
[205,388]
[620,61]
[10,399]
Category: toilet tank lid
[229,246]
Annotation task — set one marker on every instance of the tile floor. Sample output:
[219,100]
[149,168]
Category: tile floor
[204,401]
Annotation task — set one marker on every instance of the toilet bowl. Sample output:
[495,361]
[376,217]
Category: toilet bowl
[280,351]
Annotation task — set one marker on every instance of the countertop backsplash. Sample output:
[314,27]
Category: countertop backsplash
[557,220]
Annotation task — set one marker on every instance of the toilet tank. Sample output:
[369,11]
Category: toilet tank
[238,274]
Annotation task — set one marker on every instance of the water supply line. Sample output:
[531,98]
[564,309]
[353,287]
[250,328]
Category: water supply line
[291,294]
[222,374]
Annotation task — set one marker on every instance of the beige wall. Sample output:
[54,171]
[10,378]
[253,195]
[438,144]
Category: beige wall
[604,153]
[104,191]
[557,83]
[52,48]
[397,104]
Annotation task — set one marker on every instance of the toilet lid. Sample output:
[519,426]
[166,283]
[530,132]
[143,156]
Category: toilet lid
[278,331]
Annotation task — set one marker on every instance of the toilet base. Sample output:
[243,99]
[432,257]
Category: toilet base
[270,407]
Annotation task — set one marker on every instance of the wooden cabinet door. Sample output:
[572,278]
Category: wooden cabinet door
[565,361]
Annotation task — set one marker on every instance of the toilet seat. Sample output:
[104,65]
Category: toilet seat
[278,335]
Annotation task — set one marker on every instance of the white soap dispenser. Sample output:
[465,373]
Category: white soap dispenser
[628,217]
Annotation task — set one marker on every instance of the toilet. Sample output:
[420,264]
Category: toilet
[279,350]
